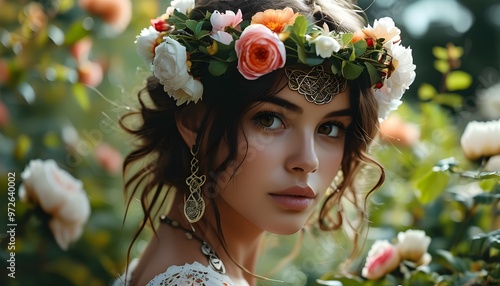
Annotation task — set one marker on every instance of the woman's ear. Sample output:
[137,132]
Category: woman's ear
[188,121]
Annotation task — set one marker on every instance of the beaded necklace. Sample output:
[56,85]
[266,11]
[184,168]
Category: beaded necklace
[213,260]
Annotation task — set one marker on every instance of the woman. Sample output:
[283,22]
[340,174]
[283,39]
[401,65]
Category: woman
[254,110]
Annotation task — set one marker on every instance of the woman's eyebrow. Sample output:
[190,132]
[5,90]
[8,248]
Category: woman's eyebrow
[341,112]
[297,109]
[283,103]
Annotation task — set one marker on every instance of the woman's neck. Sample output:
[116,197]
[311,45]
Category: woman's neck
[241,237]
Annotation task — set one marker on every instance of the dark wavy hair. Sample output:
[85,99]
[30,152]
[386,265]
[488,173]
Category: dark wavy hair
[160,162]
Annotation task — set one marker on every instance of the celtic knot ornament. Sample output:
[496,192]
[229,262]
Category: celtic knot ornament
[194,205]
[316,85]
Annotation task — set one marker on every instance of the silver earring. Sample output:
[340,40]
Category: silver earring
[194,205]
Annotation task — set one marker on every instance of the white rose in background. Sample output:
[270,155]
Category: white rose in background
[481,139]
[493,164]
[383,258]
[60,195]
[489,102]
[412,245]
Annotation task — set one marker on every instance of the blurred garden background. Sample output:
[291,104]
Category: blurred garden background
[69,70]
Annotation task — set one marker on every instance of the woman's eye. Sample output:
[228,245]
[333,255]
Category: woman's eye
[268,121]
[329,129]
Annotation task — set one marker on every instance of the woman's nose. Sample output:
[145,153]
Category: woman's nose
[302,157]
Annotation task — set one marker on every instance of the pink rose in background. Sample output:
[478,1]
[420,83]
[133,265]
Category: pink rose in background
[36,16]
[412,245]
[259,51]
[81,49]
[90,73]
[4,115]
[221,21]
[4,71]
[109,158]
[59,195]
[116,13]
[382,258]
[395,130]
[481,139]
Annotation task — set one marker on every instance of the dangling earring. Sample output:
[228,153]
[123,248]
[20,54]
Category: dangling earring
[194,205]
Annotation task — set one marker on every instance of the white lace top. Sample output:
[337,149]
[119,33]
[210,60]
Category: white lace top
[189,274]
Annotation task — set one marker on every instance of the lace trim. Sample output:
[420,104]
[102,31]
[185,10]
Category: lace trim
[191,274]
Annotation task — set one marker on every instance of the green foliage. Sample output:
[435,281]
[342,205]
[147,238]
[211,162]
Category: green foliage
[458,80]
[447,62]
[54,113]
[431,186]
[45,98]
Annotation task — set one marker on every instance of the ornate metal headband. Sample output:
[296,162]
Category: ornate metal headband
[316,85]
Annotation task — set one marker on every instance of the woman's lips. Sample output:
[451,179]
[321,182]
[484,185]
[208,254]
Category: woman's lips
[295,198]
[295,203]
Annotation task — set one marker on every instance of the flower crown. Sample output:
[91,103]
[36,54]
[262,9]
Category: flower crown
[181,49]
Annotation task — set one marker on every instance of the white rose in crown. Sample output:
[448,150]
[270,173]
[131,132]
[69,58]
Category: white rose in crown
[60,195]
[389,96]
[383,28]
[146,42]
[183,6]
[325,46]
[170,67]
[412,246]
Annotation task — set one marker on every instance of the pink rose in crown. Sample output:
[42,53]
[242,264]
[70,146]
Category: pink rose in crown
[259,51]
[221,21]
[382,258]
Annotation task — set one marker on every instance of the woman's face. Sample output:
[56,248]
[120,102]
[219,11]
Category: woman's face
[293,154]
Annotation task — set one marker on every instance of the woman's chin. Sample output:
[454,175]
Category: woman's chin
[286,229]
